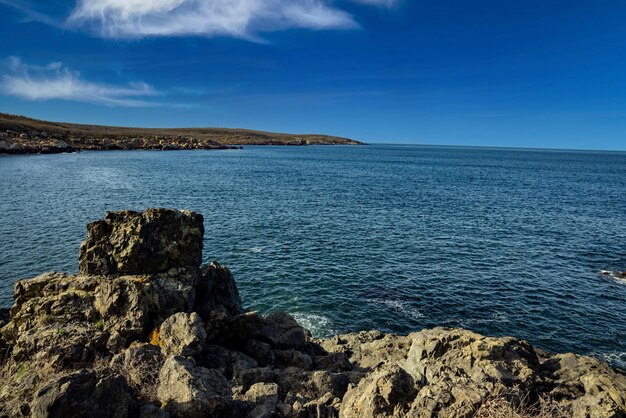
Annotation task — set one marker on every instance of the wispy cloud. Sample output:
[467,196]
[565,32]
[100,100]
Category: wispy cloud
[55,81]
[384,3]
[236,18]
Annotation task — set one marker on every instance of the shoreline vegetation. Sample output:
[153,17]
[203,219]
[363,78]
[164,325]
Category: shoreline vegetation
[145,330]
[22,135]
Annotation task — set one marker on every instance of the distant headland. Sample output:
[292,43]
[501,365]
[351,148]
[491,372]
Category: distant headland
[22,135]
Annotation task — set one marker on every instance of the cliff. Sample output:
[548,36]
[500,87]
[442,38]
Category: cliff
[21,135]
[144,330]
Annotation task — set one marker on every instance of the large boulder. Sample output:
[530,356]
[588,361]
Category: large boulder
[83,395]
[153,241]
[590,387]
[140,364]
[217,291]
[458,369]
[387,392]
[370,349]
[187,390]
[182,334]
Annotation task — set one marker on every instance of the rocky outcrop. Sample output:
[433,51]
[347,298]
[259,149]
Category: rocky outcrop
[21,135]
[145,331]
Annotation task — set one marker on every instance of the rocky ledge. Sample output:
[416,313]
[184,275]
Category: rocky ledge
[145,331]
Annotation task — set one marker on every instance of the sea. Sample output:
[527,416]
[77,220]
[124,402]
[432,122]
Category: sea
[521,242]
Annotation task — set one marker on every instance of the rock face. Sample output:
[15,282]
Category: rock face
[145,331]
[142,242]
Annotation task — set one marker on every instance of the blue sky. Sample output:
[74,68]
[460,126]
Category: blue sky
[495,73]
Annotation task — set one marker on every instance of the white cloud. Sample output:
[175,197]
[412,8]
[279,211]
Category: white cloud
[237,18]
[384,3]
[55,81]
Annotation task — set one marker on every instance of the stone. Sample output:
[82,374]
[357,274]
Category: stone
[153,241]
[590,387]
[281,330]
[140,365]
[458,369]
[369,349]
[190,391]
[182,334]
[82,394]
[262,400]
[388,392]
[216,290]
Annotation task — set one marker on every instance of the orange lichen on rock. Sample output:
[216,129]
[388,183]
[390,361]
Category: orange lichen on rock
[155,337]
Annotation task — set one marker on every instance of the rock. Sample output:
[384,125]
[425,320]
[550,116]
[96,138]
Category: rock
[144,331]
[5,146]
[182,334]
[261,400]
[370,349]
[459,369]
[152,411]
[335,362]
[190,391]
[224,360]
[147,242]
[388,392]
[140,365]
[292,358]
[283,331]
[216,290]
[588,386]
[81,394]
[53,316]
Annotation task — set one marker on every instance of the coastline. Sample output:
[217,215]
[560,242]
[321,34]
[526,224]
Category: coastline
[144,330]
[21,135]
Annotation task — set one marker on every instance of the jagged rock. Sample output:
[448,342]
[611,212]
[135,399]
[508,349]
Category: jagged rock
[325,407]
[81,394]
[153,241]
[335,362]
[458,369]
[388,392]
[216,291]
[589,386]
[283,331]
[292,358]
[95,345]
[261,399]
[190,391]
[140,365]
[54,316]
[182,334]
[370,349]
[226,361]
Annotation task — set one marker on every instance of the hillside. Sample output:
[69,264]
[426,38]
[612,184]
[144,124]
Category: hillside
[22,135]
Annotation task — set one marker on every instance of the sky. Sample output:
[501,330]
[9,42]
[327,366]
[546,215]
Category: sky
[547,74]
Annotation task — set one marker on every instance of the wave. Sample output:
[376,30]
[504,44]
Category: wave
[616,276]
[616,359]
[319,325]
[399,306]
[254,250]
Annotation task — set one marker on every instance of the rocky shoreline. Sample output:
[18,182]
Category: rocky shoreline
[43,143]
[21,135]
[145,330]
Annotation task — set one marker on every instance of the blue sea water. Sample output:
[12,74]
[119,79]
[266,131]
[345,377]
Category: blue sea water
[396,238]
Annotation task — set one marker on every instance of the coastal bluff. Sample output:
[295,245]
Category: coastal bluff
[22,135]
[145,330]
